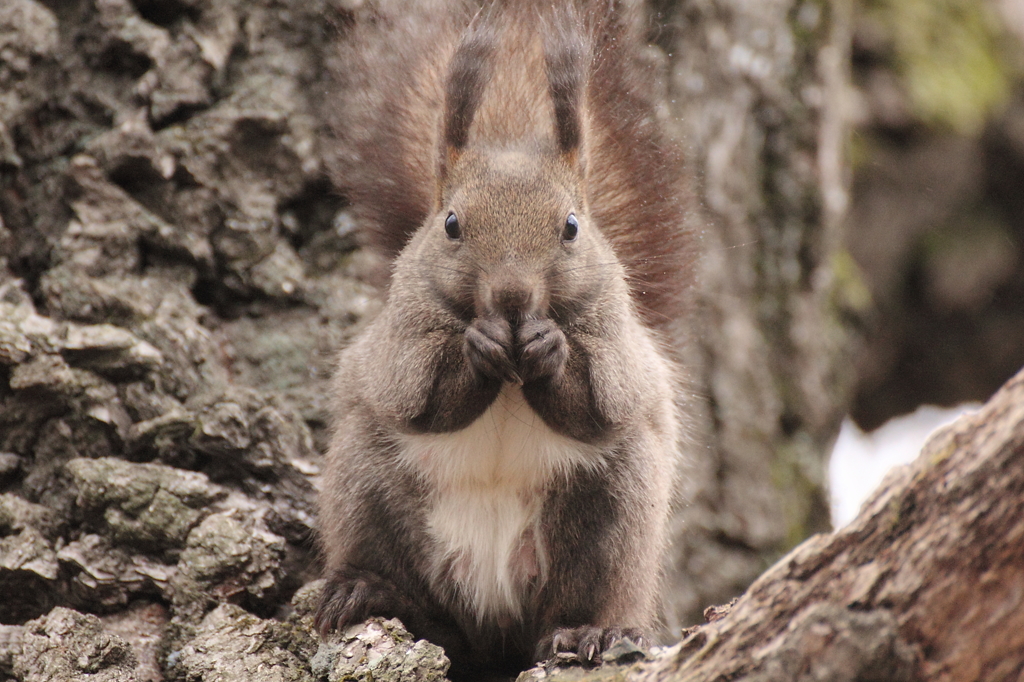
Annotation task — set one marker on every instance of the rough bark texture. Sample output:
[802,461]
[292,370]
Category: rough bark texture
[925,584]
[758,93]
[174,281]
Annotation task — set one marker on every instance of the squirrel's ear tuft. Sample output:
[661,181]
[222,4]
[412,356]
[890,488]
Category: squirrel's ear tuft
[468,73]
[566,60]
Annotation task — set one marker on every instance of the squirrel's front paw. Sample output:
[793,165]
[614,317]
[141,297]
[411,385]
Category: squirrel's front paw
[488,347]
[543,350]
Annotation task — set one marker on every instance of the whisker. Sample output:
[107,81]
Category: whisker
[437,266]
[589,266]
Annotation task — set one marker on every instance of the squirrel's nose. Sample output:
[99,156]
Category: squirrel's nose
[514,302]
[511,297]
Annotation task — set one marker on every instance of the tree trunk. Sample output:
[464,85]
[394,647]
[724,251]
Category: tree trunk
[757,91]
[925,584]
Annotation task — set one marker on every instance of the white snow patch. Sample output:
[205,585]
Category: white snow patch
[860,460]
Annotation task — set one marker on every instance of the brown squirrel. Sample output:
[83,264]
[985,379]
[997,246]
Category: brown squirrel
[506,430]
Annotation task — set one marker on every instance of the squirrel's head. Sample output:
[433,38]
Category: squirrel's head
[513,238]
[512,235]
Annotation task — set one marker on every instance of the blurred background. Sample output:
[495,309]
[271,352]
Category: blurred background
[936,226]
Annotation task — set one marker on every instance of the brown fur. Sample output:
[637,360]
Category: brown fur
[513,399]
[387,126]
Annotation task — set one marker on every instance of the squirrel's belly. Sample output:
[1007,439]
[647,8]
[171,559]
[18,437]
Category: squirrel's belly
[488,483]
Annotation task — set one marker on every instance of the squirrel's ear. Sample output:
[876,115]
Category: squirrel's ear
[565,58]
[468,73]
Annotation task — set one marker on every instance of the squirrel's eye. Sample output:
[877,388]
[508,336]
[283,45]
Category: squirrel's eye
[451,227]
[571,229]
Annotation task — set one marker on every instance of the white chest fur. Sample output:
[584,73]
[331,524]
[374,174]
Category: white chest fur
[489,481]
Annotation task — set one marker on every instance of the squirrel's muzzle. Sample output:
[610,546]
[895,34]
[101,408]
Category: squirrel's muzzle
[512,295]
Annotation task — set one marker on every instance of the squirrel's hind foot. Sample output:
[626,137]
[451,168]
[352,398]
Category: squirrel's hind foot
[587,642]
[352,596]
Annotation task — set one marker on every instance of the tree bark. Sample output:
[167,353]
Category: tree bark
[757,92]
[925,584]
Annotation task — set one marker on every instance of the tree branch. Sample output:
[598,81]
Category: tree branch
[926,583]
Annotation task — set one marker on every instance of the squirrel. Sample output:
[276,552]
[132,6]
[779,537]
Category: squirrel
[506,431]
